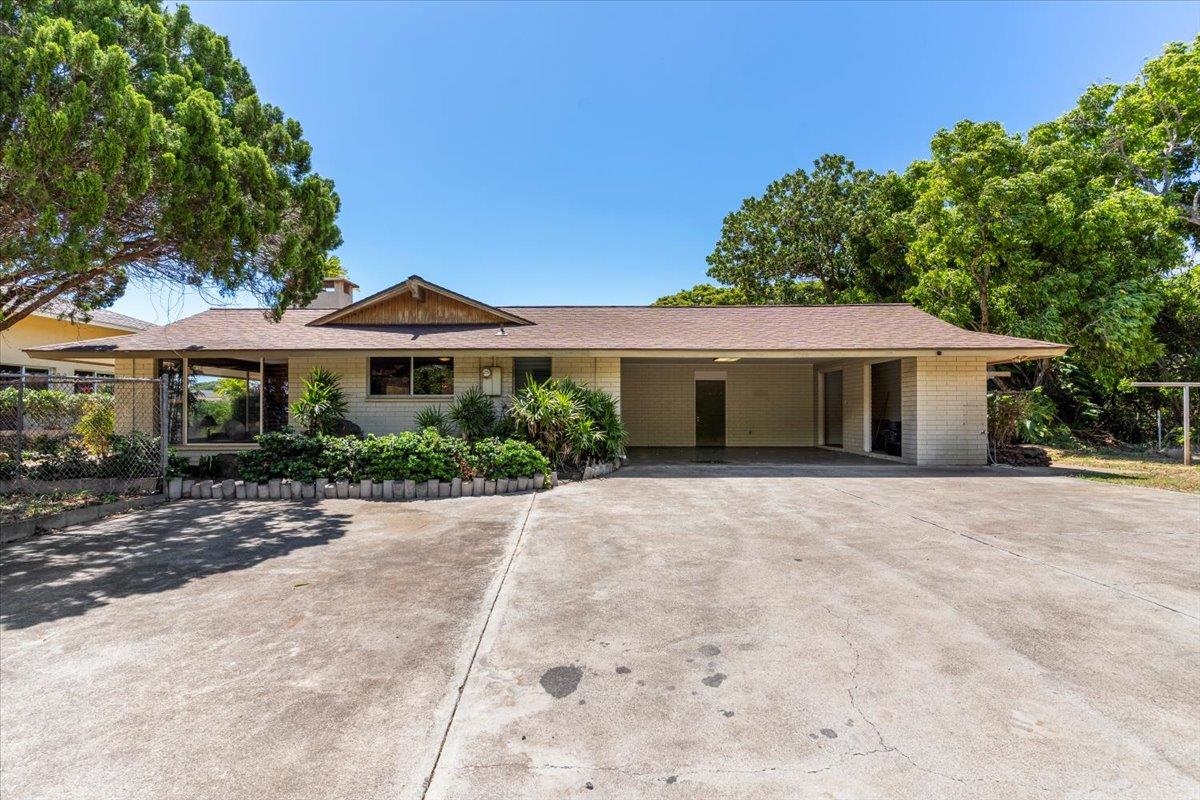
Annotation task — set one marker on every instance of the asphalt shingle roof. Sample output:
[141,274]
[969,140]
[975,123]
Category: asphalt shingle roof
[644,328]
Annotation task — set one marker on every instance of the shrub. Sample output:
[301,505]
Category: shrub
[322,405]
[97,423]
[286,454]
[571,424]
[434,417]
[509,458]
[473,413]
[415,456]
[402,456]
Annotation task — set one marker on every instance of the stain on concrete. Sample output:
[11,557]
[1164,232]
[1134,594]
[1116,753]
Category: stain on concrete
[727,713]
[641,683]
[623,670]
[589,786]
[829,733]
[672,778]
[812,736]
[709,650]
[561,681]
[714,680]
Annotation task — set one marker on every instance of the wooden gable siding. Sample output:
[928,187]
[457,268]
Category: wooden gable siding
[431,309]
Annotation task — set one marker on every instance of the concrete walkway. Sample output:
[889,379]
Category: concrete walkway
[677,631]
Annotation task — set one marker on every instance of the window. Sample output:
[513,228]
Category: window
[224,400]
[526,369]
[171,372]
[391,376]
[407,377]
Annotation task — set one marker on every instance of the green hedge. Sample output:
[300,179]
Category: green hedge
[402,456]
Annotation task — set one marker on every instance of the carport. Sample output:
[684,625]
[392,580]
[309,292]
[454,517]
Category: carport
[729,408]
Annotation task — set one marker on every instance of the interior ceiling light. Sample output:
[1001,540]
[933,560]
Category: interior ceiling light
[726,360]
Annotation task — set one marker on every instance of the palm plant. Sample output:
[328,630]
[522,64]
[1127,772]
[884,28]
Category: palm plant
[434,417]
[322,405]
[473,413]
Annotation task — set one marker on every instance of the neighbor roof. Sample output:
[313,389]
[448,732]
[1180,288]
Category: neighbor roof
[102,317]
[766,329]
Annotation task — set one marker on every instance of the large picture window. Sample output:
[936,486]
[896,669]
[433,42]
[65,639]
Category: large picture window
[224,400]
[404,376]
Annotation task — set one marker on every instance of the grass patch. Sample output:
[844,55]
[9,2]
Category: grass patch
[1132,468]
[23,505]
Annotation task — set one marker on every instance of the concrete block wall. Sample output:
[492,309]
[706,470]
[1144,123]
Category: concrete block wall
[766,405]
[951,410]
[908,409]
[136,406]
[598,373]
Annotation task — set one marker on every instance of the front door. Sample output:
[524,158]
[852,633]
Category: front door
[710,413]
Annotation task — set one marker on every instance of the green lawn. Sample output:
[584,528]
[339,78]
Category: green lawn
[1130,468]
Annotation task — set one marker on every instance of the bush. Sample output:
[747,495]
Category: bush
[434,417]
[473,413]
[322,405]
[286,454]
[509,458]
[571,424]
[402,456]
[97,423]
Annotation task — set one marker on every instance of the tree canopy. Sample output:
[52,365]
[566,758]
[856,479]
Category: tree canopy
[1083,230]
[133,144]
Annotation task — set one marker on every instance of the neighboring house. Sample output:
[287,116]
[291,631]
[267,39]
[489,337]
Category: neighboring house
[883,379]
[47,327]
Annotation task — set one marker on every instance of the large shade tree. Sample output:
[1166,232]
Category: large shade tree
[133,144]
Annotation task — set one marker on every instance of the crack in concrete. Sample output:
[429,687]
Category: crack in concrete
[884,746]
[978,540]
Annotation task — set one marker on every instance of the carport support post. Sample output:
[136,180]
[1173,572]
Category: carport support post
[1187,425]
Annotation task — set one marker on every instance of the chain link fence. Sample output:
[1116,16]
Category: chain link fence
[72,428]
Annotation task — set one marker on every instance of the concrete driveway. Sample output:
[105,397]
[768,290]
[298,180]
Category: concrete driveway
[673,631]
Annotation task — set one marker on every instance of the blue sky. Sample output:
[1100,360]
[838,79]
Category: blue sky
[562,153]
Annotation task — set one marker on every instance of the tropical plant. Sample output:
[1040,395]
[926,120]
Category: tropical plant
[473,413]
[571,424]
[322,405]
[434,417]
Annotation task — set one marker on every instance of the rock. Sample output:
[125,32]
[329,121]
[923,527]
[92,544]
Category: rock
[456,487]
[489,487]
[539,482]
[308,491]
[343,489]
[264,491]
[477,488]
[410,490]
[239,490]
[175,488]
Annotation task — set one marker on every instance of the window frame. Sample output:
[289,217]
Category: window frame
[412,379]
[187,409]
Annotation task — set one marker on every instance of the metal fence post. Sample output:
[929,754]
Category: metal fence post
[20,420]
[164,430]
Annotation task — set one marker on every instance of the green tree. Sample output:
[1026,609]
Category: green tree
[805,227]
[704,294]
[1148,130]
[1029,237]
[132,144]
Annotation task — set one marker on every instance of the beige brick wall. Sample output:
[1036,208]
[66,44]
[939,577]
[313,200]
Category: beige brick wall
[136,406]
[766,405]
[908,409]
[951,410]
[854,384]
[381,415]
[598,373]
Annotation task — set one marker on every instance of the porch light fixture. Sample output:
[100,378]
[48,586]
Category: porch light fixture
[726,360]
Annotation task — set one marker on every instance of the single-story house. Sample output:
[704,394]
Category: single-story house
[883,379]
[50,325]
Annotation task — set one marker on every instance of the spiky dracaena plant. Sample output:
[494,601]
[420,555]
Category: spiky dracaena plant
[323,405]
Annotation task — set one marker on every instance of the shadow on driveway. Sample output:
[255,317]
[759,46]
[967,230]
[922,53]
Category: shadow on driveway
[67,574]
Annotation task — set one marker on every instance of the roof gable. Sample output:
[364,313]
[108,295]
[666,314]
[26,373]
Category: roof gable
[416,301]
